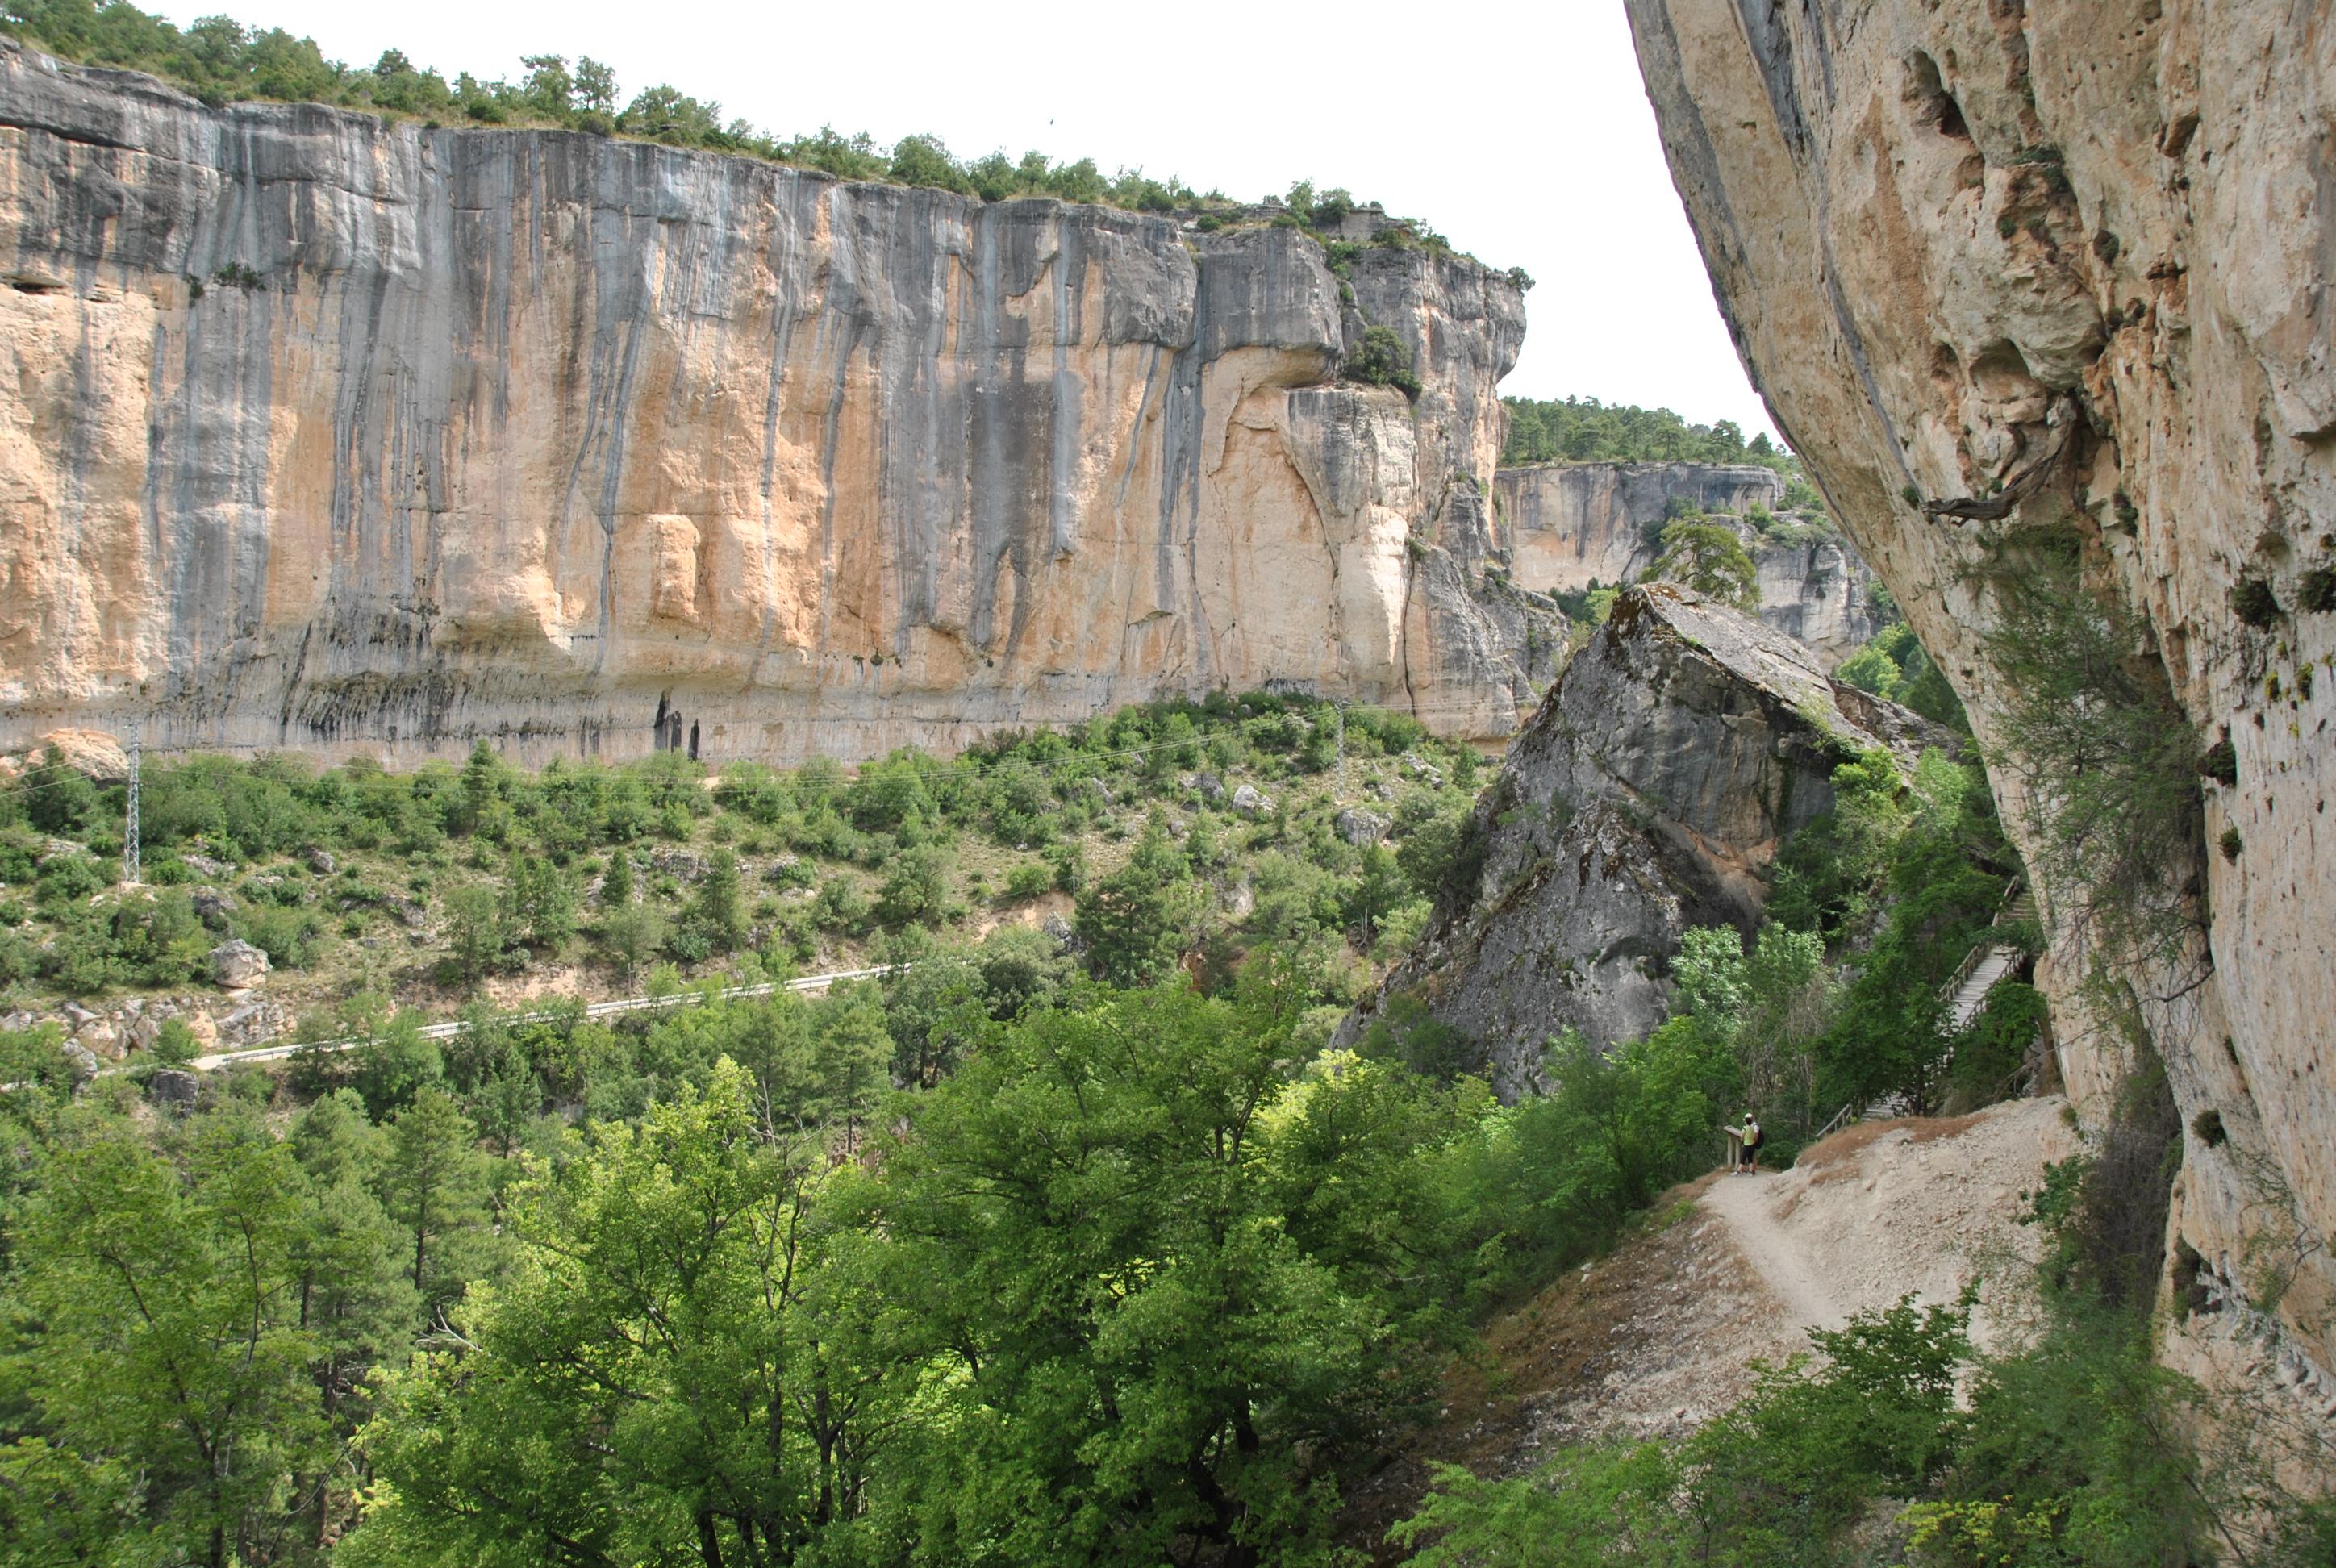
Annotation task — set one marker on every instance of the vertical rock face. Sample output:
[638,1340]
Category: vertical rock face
[1568,527]
[1577,522]
[2065,267]
[325,432]
[1816,589]
[1649,793]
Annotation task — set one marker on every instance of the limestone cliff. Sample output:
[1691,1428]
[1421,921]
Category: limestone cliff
[1569,527]
[328,431]
[2001,270]
[1649,793]
[1576,523]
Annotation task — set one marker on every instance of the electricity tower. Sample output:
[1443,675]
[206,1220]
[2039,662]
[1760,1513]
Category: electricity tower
[130,827]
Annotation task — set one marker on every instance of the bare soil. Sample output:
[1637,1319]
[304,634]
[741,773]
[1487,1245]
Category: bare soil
[1660,1336]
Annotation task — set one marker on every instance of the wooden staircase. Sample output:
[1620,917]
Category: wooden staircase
[1991,962]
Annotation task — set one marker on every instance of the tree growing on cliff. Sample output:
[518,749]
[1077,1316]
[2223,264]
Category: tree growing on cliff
[1382,360]
[1708,557]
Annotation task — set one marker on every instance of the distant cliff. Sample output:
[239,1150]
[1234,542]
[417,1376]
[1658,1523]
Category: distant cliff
[1571,526]
[333,432]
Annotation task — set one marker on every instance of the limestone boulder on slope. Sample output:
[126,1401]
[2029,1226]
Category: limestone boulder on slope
[1649,794]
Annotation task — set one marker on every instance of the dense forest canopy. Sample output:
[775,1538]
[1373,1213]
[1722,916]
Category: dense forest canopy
[1584,430]
[1028,1252]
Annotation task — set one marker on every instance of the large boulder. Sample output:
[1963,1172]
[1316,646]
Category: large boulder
[1649,794]
[237,966]
[90,752]
[174,1090]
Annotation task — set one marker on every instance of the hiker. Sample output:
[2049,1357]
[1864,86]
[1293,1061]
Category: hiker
[1747,1144]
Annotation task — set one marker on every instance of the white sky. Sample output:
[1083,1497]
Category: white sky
[1518,130]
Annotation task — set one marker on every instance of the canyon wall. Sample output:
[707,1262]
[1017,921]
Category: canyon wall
[2010,275]
[1570,527]
[325,432]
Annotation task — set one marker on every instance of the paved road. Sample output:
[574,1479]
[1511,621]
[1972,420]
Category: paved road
[608,1009]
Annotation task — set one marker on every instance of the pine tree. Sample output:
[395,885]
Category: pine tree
[434,1185]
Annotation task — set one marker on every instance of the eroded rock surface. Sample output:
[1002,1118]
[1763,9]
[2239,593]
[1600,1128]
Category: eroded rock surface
[1569,527]
[1574,524]
[1649,794]
[2002,268]
[326,432]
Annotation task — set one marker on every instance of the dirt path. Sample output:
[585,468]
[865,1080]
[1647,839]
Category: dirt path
[1657,1338]
[1747,1204]
[1889,1209]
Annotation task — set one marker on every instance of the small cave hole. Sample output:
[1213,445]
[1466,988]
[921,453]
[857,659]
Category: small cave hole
[2189,1280]
[1934,105]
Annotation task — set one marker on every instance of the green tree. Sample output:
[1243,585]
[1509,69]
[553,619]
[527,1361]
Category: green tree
[1137,920]
[355,1305]
[616,886]
[632,934]
[550,88]
[717,911]
[167,1362]
[1117,1329]
[540,901]
[434,1184]
[394,1062]
[916,888]
[474,931]
[1708,557]
[596,87]
[650,1385]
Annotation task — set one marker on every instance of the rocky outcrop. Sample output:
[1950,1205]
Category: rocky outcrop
[1570,527]
[326,432]
[1649,793]
[2008,272]
[1814,590]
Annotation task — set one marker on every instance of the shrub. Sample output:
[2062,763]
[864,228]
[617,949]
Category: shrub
[1381,359]
[2107,757]
[290,938]
[915,889]
[67,879]
[2253,601]
[1028,880]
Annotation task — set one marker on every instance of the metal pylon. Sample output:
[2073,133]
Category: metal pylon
[130,825]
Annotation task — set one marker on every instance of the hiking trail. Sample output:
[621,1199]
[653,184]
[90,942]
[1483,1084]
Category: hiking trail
[1746,1204]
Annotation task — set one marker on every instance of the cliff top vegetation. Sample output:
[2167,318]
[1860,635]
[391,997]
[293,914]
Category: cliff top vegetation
[1584,430]
[222,61]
